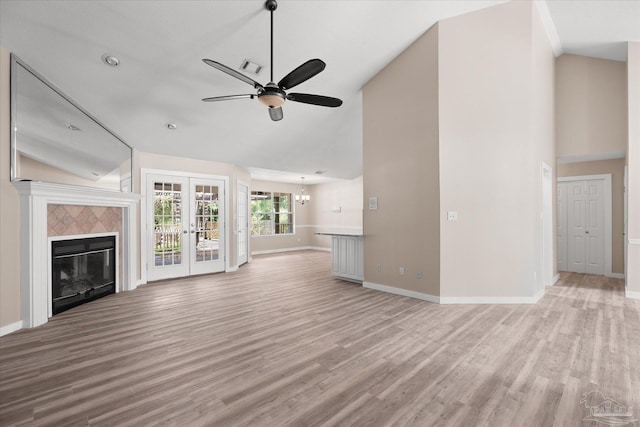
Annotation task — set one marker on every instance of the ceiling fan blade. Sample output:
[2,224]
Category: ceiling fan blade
[303,73]
[275,114]
[232,72]
[306,98]
[228,97]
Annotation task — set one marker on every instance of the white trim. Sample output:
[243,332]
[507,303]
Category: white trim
[231,269]
[299,248]
[554,280]
[607,214]
[246,184]
[10,328]
[140,282]
[615,275]
[547,250]
[632,294]
[592,157]
[338,227]
[402,292]
[549,27]
[492,300]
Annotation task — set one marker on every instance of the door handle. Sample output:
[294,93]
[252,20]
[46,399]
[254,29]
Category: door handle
[184,231]
[587,232]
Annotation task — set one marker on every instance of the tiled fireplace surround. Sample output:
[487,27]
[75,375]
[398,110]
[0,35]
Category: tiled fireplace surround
[50,210]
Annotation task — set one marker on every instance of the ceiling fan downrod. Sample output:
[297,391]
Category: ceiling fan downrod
[271,5]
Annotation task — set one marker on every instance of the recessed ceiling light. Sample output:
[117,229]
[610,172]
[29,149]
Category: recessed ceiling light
[172,126]
[251,67]
[73,127]
[110,60]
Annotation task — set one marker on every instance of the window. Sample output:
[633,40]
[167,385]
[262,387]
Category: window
[271,213]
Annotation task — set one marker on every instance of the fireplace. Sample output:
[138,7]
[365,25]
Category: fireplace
[82,270]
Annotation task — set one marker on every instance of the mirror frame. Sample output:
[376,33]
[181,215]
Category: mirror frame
[17,62]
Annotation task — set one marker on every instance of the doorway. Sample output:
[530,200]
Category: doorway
[185,226]
[584,224]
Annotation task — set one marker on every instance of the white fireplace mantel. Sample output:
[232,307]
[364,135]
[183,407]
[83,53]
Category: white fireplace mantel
[34,274]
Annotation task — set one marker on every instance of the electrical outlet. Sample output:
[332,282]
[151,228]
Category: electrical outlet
[452,215]
[419,275]
[402,271]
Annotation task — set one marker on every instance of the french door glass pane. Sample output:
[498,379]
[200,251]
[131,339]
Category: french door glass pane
[206,217]
[167,221]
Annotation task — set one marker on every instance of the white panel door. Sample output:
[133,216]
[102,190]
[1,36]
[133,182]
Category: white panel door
[562,226]
[585,226]
[594,226]
[576,227]
[243,223]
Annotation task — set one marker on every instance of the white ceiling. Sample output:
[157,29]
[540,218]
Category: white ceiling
[161,78]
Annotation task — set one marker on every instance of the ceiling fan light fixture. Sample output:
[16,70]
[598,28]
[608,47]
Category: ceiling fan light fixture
[274,95]
[271,100]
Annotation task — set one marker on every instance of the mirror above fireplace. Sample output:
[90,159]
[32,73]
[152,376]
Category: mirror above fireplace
[55,140]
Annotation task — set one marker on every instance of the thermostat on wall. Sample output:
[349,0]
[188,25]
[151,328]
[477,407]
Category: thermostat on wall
[373,203]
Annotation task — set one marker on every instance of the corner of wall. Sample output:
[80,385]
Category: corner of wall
[9,211]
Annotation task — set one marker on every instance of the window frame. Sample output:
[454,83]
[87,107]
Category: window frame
[272,214]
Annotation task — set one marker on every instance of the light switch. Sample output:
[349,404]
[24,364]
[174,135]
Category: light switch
[452,215]
[373,203]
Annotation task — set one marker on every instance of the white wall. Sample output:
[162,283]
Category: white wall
[489,153]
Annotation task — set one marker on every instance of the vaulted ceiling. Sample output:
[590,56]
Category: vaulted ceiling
[161,78]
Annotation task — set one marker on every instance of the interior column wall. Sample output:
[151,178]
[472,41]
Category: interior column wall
[401,171]
[489,160]
[633,170]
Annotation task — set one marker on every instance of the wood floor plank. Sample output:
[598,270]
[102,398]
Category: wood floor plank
[281,342]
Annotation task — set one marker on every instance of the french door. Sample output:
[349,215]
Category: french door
[185,226]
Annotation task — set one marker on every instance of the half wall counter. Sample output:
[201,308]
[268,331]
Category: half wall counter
[347,254]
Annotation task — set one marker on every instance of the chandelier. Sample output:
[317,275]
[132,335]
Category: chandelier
[302,198]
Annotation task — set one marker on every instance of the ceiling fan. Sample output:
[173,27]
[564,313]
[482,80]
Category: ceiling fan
[273,95]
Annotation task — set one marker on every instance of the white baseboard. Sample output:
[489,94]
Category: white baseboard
[299,248]
[455,300]
[319,248]
[231,269]
[615,275]
[141,282]
[632,294]
[493,300]
[10,328]
[554,280]
[400,291]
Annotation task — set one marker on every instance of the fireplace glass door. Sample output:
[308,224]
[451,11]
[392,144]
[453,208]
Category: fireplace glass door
[82,270]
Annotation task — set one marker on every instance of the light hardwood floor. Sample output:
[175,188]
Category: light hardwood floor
[281,342]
